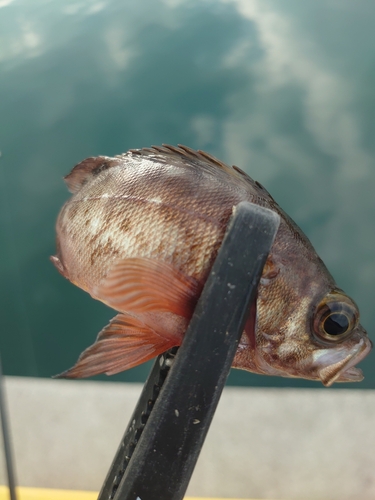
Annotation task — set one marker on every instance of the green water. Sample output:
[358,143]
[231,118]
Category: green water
[284,89]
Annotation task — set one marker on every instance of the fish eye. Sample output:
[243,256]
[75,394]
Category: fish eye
[335,318]
[336,324]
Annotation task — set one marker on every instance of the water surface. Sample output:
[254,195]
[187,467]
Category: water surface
[284,89]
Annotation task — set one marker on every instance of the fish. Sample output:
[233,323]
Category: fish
[141,232]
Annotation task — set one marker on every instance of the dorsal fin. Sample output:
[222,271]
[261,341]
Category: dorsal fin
[89,167]
[255,184]
[82,172]
[185,152]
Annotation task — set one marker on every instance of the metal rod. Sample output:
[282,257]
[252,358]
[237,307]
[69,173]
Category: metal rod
[6,439]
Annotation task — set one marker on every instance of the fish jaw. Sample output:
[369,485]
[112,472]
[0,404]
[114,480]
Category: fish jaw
[326,363]
[338,367]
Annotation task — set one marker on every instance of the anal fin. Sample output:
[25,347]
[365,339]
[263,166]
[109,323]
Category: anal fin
[124,343]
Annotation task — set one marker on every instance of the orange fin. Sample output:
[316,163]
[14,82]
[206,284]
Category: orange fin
[124,343]
[142,285]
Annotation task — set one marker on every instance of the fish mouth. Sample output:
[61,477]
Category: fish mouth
[344,370]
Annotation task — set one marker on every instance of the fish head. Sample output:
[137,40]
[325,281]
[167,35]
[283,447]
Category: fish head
[306,327]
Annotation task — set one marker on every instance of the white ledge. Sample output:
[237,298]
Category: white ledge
[263,443]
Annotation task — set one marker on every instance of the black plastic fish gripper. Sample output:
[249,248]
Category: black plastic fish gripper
[160,447]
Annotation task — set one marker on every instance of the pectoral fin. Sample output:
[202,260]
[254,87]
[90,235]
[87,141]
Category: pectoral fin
[124,343]
[143,285]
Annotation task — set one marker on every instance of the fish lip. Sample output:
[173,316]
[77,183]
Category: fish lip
[346,371]
[352,374]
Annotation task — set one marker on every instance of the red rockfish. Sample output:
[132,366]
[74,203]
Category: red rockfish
[141,232]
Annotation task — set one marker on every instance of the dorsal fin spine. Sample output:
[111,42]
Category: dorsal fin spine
[186,152]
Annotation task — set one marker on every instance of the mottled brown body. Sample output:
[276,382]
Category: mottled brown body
[133,214]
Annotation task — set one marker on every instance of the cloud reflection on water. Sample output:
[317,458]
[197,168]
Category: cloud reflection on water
[282,89]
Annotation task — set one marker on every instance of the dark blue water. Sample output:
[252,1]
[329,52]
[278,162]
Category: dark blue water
[284,89]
